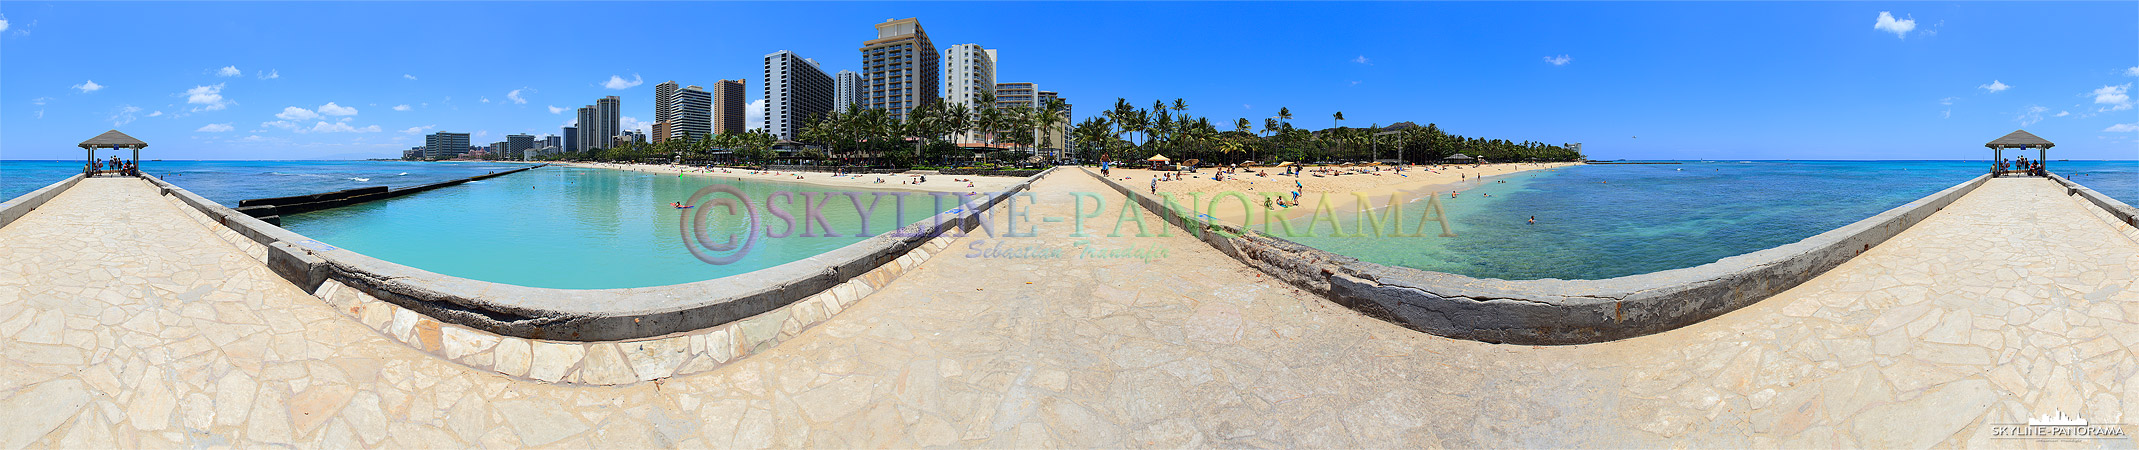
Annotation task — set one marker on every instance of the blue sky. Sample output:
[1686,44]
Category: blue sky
[250,80]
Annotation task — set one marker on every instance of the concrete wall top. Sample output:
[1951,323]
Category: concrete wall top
[16,207]
[588,314]
[2123,212]
[1554,311]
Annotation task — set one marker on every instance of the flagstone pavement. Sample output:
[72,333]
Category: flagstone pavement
[127,325]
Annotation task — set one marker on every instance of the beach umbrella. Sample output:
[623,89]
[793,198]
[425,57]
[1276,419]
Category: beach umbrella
[1283,164]
[1159,158]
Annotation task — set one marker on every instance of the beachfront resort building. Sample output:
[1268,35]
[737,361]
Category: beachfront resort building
[443,145]
[847,90]
[900,68]
[796,92]
[968,75]
[517,145]
[1029,95]
[729,106]
[681,113]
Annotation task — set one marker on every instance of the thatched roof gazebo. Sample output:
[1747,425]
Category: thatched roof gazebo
[2023,140]
[112,140]
[1459,157]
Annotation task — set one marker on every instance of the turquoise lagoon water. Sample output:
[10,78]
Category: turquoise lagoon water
[227,182]
[576,228]
[1604,221]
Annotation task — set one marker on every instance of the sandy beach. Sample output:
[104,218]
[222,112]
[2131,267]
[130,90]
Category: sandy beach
[1338,183]
[935,183]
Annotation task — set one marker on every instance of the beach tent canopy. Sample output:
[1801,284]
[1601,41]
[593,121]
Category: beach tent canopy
[2018,139]
[114,139]
[1460,156]
[1157,158]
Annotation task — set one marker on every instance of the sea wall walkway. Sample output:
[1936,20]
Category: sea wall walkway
[127,325]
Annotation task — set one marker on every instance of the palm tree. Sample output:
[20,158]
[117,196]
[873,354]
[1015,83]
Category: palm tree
[1180,107]
[1270,131]
[1050,117]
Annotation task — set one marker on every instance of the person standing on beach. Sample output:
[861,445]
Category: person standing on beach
[1154,185]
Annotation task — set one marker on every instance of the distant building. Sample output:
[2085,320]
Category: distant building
[516,145]
[846,91]
[796,92]
[607,112]
[660,132]
[412,154]
[587,130]
[443,145]
[571,141]
[551,140]
[730,103]
[900,68]
[1010,95]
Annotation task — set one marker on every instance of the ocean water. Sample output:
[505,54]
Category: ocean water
[577,228]
[227,182]
[1605,221]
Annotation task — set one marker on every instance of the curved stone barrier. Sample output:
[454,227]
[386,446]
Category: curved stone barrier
[602,336]
[2116,209]
[1552,311]
[16,207]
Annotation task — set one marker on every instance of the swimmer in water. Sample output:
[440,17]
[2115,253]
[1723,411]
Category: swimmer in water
[1533,220]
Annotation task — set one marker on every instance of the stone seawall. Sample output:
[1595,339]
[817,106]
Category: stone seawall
[1552,311]
[602,336]
[2119,210]
[14,208]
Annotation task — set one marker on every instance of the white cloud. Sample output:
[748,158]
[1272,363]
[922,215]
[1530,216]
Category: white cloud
[1994,86]
[210,97]
[2122,128]
[214,128]
[630,123]
[332,109]
[556,110]
[618,83]
[1900,28]
[2117,97]
[1948,101]
[154,114]
[40,101]
[1362,59]
[515,95]
[401,107]
[2062,113]
[754,115]
[229,71]
[3,23]
[341,127]
[412,77]
[124,115]
[88,86]
[480,133]
[1559,60]
[271,74]
[296,113]
[2030,115]
[2132,72]
[283,124]
[417,130]
[486,99]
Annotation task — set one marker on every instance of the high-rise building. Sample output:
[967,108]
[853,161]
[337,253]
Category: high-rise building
[664,108]
[607,112]
[729,103]
[570,143]
[412,154]
[660,132]
[588,130]
[691,115]
[443,145]
[550,140]
[847,90]
[796,92]
[1011,95]
[516,145]
[968,72]
[900,68]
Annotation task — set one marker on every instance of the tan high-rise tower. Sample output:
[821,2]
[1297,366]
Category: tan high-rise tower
[900,67]
[728,106]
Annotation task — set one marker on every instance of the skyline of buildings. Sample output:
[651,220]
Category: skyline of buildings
[900,70]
